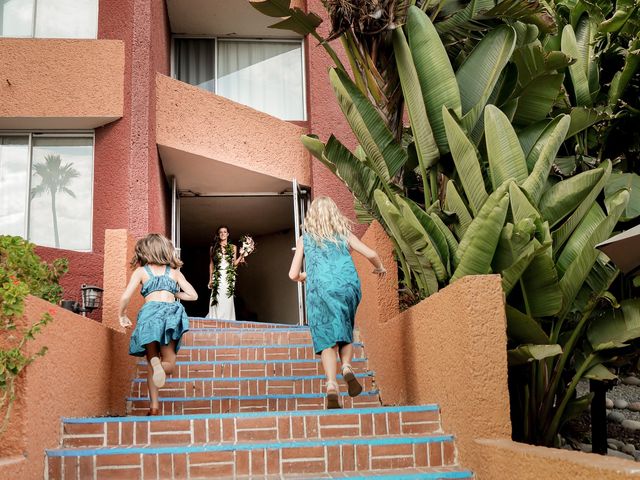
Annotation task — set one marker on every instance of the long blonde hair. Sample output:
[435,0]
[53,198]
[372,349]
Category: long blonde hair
[325,222]
[155,249]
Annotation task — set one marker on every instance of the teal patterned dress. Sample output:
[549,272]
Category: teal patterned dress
[332,292]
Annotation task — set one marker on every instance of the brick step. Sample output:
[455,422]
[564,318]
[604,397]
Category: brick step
[240,427]
[245,336]
[198,322]
[253,458]
[208,353]
[253,403]
[243,386]
[421,473]
[250,368]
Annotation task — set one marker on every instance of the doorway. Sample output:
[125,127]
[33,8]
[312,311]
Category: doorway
[264,292]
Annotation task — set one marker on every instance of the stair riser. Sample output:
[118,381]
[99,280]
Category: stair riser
[219,388]
[258,353]
[267,429]
[303,460]
[141,407]
[200,323]
[232,337]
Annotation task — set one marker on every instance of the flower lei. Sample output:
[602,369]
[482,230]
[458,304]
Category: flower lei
[230,275]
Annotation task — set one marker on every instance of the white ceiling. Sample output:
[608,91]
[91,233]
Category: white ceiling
[255,216]
[235,18]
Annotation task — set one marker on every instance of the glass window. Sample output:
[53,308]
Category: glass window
[16,18]
[14,184]
[49,18]
[265,75]
[49,188]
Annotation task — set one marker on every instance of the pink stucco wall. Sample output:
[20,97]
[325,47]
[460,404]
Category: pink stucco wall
[86,372]
[194,121]
[59,84]
[450,349]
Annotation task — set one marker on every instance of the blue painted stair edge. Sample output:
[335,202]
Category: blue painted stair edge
[413,476]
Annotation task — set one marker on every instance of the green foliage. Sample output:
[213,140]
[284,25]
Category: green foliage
[21,273]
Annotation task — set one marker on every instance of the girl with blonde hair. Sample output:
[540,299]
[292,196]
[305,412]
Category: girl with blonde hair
[332,290]
[161,321]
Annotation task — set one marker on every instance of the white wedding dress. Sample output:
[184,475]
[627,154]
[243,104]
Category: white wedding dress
[224,309]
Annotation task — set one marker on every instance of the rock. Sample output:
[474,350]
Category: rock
[636,455]
[585,447]
[617,417]
[615,453]
[612,446]
[631,380]
[615,442]
[620,403]
[629,448]
[567,447]
[634,406]
[631,424]
[609,403]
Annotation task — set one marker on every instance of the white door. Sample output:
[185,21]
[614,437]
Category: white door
[175,215]
[300,204]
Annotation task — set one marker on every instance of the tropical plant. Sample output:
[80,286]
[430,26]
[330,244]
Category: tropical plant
[489,202]
[21,273]
[54,178]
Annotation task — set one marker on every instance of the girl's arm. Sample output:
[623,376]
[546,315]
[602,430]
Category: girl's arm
[188,292]
[136,278]
[295,272]
[368,253]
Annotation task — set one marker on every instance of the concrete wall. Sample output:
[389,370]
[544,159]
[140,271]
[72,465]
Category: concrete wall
[450,349]
[86,371]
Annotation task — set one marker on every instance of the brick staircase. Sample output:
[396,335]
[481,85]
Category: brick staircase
[247,401]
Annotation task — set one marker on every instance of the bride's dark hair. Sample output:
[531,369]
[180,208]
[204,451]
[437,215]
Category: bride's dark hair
[216,243]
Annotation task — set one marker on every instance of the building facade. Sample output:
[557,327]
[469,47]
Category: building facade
[171,116]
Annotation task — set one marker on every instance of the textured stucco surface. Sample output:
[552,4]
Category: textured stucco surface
[85,372]
[77,83]
[502,459]
[195,121]
[450,349]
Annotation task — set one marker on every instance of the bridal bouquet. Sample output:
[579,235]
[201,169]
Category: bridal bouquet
[247,246]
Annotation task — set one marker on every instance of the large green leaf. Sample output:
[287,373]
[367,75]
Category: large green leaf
[386,156]
[561,235]
[511,275]
[465,158]
[425,143]
[522,328]
[452,243]
[404,233]
[528,137]
[480,72]
[521,207]
[631,182]
[581,119]
[513,242]
[435,73]
[538,98]
[506,159]
[535,183]
[545,131]
[578,70]
[585,39]
[479,243]
[454,203]
[615,326]
[524,354]
[434,230]
[565,196]
[579,269]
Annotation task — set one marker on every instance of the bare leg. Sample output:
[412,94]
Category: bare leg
[168,353]
[353,385]
[152,351]
[346,354]
[329,358]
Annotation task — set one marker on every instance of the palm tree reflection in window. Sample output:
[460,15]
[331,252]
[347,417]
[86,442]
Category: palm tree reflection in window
[54,178]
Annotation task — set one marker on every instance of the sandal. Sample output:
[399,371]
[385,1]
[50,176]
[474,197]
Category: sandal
[159,375]
[333,396]
[153,412]
[353,385]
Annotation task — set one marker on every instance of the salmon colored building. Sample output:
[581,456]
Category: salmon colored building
[173,117]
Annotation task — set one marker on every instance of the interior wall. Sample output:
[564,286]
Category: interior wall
[263,284]
[196,271]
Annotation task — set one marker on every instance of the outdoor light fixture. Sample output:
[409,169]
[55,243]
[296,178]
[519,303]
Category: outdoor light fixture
[91,299]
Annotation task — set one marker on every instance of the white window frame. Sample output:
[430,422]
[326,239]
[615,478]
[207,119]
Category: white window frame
[55,134]
[33,25]
[217,39]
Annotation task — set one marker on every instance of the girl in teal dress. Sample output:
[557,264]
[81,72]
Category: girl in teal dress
[332,289]
[162,320]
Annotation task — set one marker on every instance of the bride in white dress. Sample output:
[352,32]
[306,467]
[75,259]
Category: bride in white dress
[223,260]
